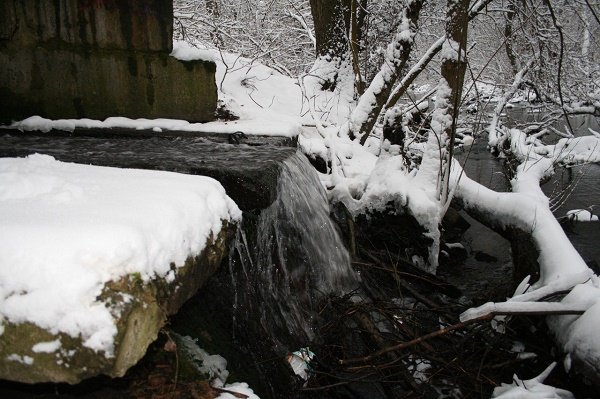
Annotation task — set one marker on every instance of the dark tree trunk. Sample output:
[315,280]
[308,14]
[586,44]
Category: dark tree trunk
[332,20]
[453,71]
[508,33]
[338,32]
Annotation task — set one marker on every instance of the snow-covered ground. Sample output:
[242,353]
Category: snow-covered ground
[67,229]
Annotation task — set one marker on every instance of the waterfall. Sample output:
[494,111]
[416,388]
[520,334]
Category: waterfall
[287,258]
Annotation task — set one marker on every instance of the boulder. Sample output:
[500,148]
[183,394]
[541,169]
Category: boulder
[31,354]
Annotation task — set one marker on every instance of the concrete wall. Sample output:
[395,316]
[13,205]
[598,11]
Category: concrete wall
[98,58]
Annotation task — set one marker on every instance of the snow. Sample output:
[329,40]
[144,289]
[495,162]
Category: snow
[20,359]
[185,51]
[531,389]
[579,335]
[450,50]
[576,150]
[581,215]
[215,366]
[68,229]
[240,388]
[46,347]
[418,368]
[250,127]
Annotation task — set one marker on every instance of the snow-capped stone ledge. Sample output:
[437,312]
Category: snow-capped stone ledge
[93,259]
[253,127]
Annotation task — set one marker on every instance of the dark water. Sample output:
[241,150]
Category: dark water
[486,274]
[578,188]
[178,154]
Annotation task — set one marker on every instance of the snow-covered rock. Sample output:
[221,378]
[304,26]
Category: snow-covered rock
[93,259]
[581,215]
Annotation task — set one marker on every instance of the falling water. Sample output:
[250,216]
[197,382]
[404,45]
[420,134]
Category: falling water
[288,258]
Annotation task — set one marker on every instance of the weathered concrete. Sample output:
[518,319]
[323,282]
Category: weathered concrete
[107,24]
[94,59]
[138,322]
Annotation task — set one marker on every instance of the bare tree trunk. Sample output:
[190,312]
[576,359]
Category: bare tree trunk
[508,33]
[332,19]
[412,74]
[212,8]
[357,20]
[454,65]
[333,22]
[434,172]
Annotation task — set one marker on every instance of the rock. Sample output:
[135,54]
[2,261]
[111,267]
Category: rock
[64,359]
[146,25]
[483,257]
[456,251]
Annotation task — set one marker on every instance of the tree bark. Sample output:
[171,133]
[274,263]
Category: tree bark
[508,33]
[332,20]
[453,70]
[338,34]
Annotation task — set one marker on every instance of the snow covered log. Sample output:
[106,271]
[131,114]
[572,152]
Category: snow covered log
[93,259]
[560,265]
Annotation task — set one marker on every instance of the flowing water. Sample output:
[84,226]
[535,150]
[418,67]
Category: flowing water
[284,262]
[293,258]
